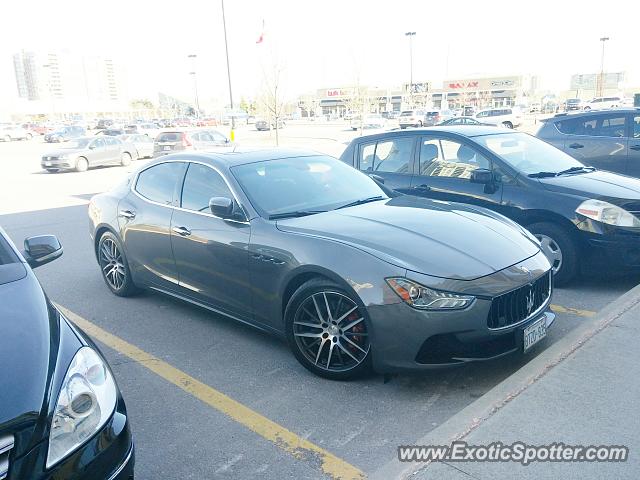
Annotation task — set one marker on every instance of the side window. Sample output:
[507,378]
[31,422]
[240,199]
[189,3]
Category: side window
[158,183]
[110,141]
[636,126]
[195,137]
[602,126]
[366,157]
[98,143]
[568,127]
[218,137]
[393,156]
[586,127]
[450,158]
[200,185]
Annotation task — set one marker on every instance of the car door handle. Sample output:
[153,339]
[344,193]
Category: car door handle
[424,187]
[182,231]
[635,147]
[127,214]
[576,145]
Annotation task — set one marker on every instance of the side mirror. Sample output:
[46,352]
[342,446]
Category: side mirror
[41,250]
[482,175]
[377,178]
[221,207]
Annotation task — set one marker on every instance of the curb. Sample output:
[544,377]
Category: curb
[471,417]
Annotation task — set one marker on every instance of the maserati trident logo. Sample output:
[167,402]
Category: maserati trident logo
[531,300]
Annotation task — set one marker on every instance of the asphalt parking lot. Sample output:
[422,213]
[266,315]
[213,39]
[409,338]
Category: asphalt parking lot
[211,398]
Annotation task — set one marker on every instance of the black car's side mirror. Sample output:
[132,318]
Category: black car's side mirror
[222,207]
[482,175]
[41,250]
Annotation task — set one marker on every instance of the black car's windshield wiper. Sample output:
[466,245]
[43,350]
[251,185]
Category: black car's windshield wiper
[542,174]
[297,213]
[580,169]
[362,201]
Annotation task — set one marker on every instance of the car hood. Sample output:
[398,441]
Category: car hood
[29,344]
[440,239]
[614,188]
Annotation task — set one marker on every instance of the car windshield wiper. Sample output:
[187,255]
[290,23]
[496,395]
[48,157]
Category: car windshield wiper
[297,213]
[542,174]
[579,169]
[362,201]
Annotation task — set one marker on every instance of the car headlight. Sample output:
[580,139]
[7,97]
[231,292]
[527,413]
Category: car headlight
[608,213]
[423,298]
[86,401]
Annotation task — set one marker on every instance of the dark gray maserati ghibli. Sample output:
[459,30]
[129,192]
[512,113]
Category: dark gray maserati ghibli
[304,246]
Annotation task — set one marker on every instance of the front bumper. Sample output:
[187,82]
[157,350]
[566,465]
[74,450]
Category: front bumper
[57,164]
[609,246]
[109,455]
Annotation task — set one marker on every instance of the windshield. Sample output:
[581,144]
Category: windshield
[528,154]
[78,143]
[6,253]
[303,184]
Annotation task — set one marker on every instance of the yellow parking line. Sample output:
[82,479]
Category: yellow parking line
[572,311]
[281,437]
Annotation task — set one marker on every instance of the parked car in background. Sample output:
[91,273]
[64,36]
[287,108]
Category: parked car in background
[572,104]
[104,123]
[607,139]
[510,117]
[463,121]
[534,107]
[9,133]
[114,132]
[143,144]
[369,121]
[263,125]
[411,118]
[61,412]
[36,128]
[581,215]
[176,141]
[602,103]
[148,129]
[302,232]
[85,152]
[65,134]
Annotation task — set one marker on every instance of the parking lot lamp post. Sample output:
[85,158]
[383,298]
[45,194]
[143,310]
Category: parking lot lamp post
[410,35]
[601,83]
[195,84]
[226,48]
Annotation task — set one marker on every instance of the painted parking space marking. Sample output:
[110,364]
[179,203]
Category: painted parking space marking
[572,311]
[298,447]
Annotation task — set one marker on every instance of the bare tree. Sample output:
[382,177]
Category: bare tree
[272,91]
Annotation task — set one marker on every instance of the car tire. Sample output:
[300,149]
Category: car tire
[560,248]
[82,164]
[352,357]
[28,136]
[586,109]
[125,159]
[420,123]
[114,266]
[507,124]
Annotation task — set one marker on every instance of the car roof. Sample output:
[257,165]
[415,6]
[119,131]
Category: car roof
[462,130]
[564,116]
[242,155]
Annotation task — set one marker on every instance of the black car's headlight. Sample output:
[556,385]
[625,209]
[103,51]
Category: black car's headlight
[424,298]
[608,213]
[86,401]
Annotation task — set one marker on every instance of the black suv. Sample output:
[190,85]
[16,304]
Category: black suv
[606,139]
[579,214]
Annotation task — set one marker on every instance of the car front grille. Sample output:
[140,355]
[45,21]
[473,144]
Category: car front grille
[6,444]
[519,304]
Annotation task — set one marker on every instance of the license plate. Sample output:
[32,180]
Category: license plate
[166,147]
[534,333]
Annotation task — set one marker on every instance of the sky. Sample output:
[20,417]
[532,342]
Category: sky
[325,44]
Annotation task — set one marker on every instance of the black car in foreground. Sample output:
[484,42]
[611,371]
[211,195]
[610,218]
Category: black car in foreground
[605,139]
[301,245]
[581,215]
[61,413]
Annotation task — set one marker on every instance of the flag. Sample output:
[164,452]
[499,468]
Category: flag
[261,37]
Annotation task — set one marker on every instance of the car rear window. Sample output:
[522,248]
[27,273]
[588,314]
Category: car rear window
[169,137]
[432,114]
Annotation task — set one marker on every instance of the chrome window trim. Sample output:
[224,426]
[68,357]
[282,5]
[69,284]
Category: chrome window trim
[210,215]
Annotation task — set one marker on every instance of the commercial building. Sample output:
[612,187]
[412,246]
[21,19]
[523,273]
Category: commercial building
[337,101]
[485,92]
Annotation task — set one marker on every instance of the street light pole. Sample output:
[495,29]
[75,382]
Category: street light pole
[410,35]
[226,48]
[601,86]
[195,83]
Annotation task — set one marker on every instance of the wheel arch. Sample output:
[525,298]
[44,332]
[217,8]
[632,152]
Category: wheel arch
[101,229]
[530,217]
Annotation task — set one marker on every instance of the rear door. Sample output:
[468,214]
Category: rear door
[114,149]
[391,159]
[600,140]
[144,217]
[444,172]
[98,152]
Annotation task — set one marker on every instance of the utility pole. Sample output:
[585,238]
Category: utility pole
[195,83]
[601,83]
[226,48]
[410,35]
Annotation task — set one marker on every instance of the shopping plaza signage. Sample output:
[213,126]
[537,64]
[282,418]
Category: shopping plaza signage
[338,92]
[478,84]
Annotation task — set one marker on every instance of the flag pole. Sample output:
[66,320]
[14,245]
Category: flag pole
[226,48]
